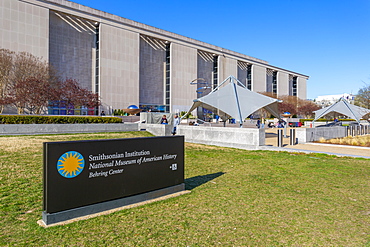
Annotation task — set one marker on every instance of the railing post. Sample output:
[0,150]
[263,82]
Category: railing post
[292,137]
[285,129]
[280,138]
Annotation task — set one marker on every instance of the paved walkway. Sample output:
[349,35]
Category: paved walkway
[332,149]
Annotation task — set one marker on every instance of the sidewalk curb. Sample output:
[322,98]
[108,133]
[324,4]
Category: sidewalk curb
[292,150]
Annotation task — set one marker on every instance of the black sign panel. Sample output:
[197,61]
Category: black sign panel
[82,173]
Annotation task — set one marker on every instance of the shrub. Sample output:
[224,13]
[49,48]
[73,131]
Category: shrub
[302,120]
[22,119]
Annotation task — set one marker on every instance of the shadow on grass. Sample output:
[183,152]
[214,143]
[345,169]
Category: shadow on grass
[191,183]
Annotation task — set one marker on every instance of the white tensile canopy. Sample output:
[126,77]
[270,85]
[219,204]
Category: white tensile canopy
[344,108]
[234,100]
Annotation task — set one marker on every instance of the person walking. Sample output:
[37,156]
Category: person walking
[176,122]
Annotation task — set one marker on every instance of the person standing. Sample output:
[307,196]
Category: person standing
[176,122]
[164,119]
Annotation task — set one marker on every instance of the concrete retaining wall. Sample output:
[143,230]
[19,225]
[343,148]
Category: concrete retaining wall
[19,129]
[226,137]
[157,129]
[315,124]
[304,135]
[219,136]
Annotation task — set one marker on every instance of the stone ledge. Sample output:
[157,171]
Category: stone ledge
[87,212]
[31,129]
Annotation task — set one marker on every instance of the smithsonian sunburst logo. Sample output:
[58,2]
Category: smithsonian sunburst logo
[70,164]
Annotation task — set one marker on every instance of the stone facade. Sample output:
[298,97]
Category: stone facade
[259,78]
[283,83]
[152,70]
[119,67]
[126,62]
[24,27]
[183,71]
[204,70]
[72,47]
[302,87]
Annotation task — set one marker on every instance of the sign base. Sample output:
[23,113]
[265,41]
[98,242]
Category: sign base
[86,212]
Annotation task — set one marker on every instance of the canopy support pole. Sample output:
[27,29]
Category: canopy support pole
[237,103]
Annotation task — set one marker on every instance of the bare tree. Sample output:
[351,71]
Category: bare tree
[307,108]
[6,67]
[289,104]
[72,94]
[29,83]
[294,105]
[27,66]
[32,94]
[30,80]
[363,97]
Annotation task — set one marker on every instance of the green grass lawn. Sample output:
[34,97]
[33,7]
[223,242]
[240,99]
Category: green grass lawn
[238,198]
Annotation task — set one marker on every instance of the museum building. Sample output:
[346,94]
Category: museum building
[131,63]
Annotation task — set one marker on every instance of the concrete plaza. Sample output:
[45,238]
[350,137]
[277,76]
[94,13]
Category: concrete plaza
[333,149]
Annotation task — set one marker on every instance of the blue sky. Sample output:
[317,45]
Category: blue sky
[328,40]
